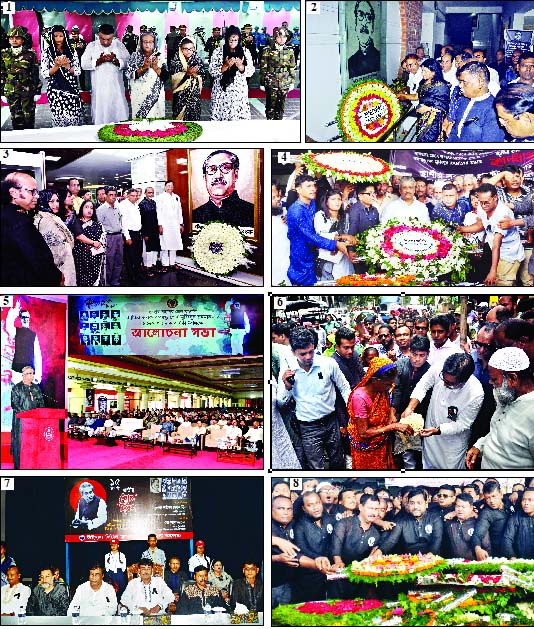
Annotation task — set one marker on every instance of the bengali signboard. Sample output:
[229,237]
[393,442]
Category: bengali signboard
[129,508]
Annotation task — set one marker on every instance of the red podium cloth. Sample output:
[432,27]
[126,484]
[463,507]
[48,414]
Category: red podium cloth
[40,443]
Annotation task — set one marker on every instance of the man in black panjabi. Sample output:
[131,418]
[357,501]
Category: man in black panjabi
[491,521]
[518,537]
[418,531]
[313,533]
[458,532]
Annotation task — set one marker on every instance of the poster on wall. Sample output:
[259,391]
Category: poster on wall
[34,334]
[517,40]
[362,23]
[163,325]
[100,509]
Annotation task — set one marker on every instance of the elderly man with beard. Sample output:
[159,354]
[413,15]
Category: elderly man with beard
[49,598]
[518,540]
[313,533]
[510,441]
[418,531]
[487,540]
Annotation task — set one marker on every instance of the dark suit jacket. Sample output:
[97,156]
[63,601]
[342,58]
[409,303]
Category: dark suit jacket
[233,211]
[360,64]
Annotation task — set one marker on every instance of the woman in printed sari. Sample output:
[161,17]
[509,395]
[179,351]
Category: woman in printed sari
[434,97]
[369,428]
[187,73]
[90,262]
[147,74]
[57,235]
[60,66]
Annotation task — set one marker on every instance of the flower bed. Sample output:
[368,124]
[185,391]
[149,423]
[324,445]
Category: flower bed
[366,111]
[220,248]
[416,249]
[348,166]
[379,279]
[152,130]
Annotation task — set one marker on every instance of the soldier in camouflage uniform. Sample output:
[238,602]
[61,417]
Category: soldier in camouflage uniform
[277,74]
[19,74]
[130,39]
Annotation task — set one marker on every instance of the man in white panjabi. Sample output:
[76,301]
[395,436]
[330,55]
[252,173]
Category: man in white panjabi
[106,58]
[171,225]
[454,405]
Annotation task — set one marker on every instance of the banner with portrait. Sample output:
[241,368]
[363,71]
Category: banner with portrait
[517,40]
[360,26]
[100,509]
[161,325]
[441,164]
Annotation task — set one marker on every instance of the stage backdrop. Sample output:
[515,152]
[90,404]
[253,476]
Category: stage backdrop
[133,507]
[48,321]
[444,164]
[159,325]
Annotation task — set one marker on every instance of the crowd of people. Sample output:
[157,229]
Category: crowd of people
[151,586]
[64,236]
[329,523]
[346,389]
[317,222]
[69,64]
[231,428]
[461,97]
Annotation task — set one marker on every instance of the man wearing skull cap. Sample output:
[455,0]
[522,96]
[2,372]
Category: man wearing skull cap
[19,75]
[510,441]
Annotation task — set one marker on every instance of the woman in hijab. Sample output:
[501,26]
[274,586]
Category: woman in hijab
[218,576]
[56,234]
[60,65]
[230,66]
[187,73]
[147,74]
[370,425]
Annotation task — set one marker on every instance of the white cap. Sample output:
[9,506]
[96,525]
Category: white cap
[509,359]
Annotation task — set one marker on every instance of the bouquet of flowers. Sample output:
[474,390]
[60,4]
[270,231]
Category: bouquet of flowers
[220,248]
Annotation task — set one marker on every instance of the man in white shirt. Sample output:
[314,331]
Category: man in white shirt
[106,58]
[14,595]
[311,380]
[448,67]
[510,441]
[94,597]
[255,436]
[233,433]
[171,225]
[441,347]
[147,595]
[133,242]
[407,207]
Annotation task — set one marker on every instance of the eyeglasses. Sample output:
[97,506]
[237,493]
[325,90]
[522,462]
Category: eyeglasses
[371,194]
[225,168]
[34,191]
[451,385]
[24,317]
[188,48]
[383,336]
[421,327]
[484,345]
[444,496]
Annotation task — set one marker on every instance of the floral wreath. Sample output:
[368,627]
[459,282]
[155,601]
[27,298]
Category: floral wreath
[150,130]
[349,166]
[380,279]
[220,248]
[366,111]
[415,249]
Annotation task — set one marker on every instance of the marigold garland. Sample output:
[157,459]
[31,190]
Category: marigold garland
[365,279]
[367,110]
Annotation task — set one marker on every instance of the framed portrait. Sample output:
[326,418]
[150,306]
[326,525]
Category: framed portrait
[224,185]
[360,25]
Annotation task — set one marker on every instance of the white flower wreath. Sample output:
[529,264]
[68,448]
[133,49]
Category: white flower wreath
[220,248]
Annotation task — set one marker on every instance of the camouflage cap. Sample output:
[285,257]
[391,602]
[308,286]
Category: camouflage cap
[16,31]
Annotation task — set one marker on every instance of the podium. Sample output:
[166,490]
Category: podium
[41,438]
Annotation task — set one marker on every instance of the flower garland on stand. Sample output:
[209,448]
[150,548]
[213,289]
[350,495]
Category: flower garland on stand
[220,248]
[416,249]
[150,130]
[349,166]
[367,110]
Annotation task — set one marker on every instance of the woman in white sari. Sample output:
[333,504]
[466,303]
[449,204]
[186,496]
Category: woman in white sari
[147,74]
